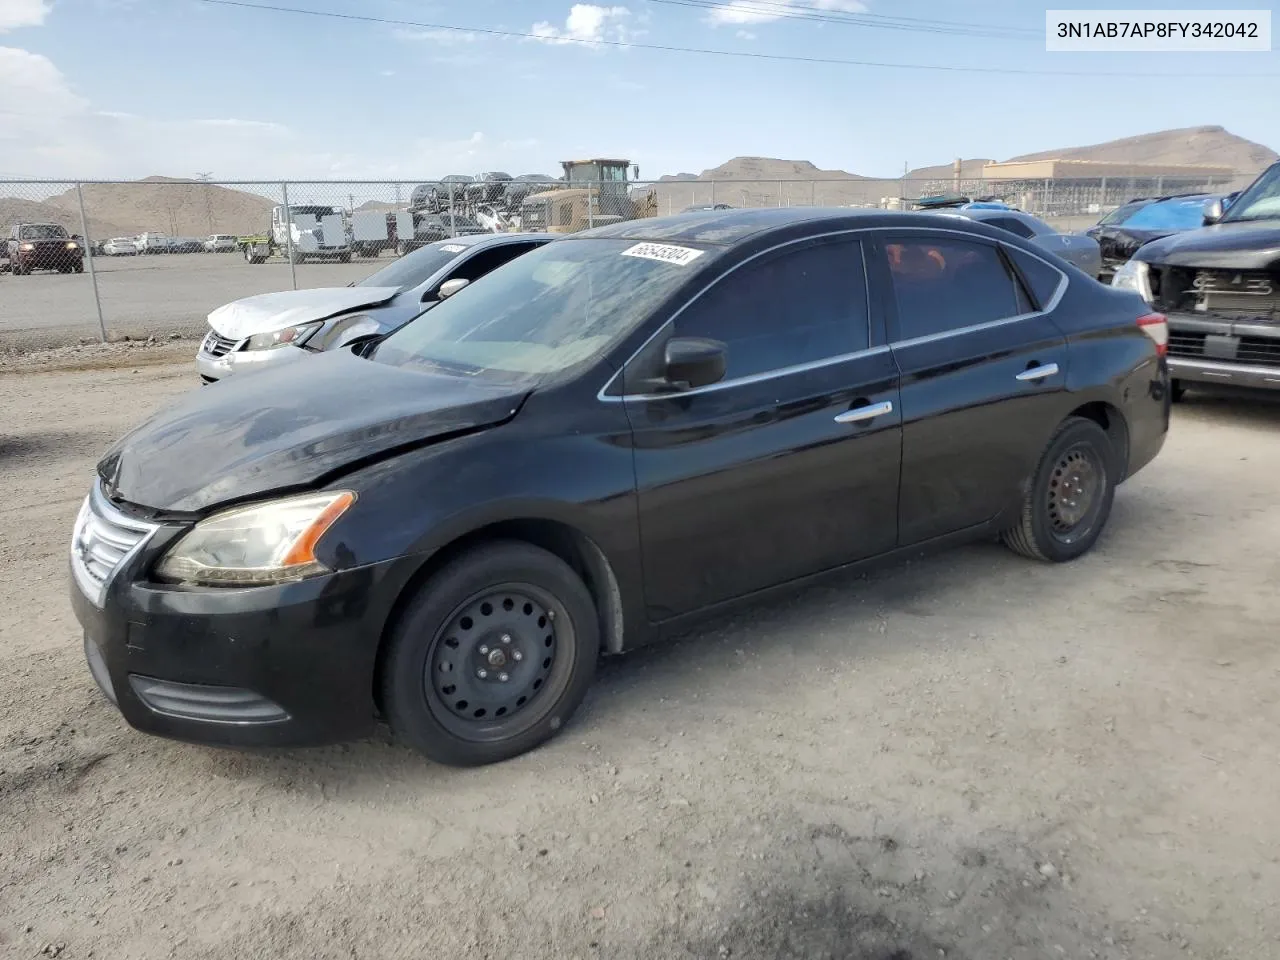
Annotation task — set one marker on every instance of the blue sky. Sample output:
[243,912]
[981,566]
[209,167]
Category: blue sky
[128,88]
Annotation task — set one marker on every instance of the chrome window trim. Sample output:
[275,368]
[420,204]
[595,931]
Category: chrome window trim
[830,361]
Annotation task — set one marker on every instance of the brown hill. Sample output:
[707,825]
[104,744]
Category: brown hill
[180,208]
[15,210]
[1190,145]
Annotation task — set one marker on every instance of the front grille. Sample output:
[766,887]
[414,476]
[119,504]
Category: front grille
[1252,292]
[217,345]
[103,539]
[1261,351]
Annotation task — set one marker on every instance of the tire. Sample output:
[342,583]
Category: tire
[548,641]
[1080,453]
[344,258]
[79,267]
[1177,390]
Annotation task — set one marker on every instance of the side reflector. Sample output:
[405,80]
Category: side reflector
[1156,326]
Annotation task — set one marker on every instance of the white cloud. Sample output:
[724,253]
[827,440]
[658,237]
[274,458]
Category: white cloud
[587,23]
[23,13]
[745,35]
[739,12]
[446,38]
[49,130]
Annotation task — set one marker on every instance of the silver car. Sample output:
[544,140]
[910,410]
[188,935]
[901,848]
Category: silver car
[1077,249]
[277,328]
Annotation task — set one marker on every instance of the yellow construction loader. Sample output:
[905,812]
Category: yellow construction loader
[596,192]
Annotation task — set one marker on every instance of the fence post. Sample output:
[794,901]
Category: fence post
[453,223]
[713,193]
[813,193]
[88,256]
[591,213]
[288,233]
[779,193]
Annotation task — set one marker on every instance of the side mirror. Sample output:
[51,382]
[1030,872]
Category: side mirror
[1212,212]
[450,287]
[694,362]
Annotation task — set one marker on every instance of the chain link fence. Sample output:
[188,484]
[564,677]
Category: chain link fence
[108,260]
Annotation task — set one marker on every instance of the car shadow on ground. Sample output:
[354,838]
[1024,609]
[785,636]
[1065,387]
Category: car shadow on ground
[838,615]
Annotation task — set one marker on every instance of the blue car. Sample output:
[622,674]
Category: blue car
[272,329]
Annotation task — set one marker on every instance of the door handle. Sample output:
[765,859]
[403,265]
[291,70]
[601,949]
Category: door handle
[869,412]
[1038,373]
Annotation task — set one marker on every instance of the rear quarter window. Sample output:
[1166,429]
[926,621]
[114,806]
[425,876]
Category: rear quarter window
[1042,279]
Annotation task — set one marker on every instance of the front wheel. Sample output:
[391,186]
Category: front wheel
[492,655]
[1177,390]
[1069,500]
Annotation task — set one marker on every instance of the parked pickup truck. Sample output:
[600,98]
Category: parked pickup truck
[1220,288]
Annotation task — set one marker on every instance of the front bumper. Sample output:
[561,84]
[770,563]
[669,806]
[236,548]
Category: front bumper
[56,258]
[289,665]
[1254,376]
[1209,348]
[213,368]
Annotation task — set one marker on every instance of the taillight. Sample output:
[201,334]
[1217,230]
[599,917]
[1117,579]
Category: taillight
[1156,326]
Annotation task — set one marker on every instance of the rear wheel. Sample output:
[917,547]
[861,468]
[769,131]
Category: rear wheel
[492,656]
[1069,500]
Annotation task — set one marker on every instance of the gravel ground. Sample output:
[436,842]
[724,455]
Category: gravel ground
[966,756]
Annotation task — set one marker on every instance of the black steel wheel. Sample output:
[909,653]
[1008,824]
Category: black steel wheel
[1069,499]
[492,655]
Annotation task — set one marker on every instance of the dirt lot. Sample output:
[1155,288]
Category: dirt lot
[157,295]
[967,756]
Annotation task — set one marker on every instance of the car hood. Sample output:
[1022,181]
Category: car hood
[275,311]
[1249,245]
[288,428]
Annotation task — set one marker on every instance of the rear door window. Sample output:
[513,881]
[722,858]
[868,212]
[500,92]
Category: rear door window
[942,284]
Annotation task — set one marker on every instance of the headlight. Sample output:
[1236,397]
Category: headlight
[279,338]
[1134,275]
[258,545]
[26,246]
[72,245]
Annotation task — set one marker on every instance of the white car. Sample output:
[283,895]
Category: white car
[120,247]
[221,243]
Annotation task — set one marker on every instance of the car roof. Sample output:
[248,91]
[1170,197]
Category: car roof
[731,227]
[496,239]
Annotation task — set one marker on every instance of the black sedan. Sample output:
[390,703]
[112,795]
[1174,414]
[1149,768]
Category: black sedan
[587,447]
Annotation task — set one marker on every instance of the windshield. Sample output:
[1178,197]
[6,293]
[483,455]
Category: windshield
[1122,213]
[1261,201]
[556,308]
[1183,214]
[413,268]
[44,231]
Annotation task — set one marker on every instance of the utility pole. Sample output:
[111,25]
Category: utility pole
[208,201]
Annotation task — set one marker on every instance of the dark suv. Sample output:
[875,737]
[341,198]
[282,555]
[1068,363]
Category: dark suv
[1220,288]
[43,246]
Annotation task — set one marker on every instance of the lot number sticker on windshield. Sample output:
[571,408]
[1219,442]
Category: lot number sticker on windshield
[666,252]
[453,248]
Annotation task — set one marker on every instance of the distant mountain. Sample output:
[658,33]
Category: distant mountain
[1188,145]
[181,208]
